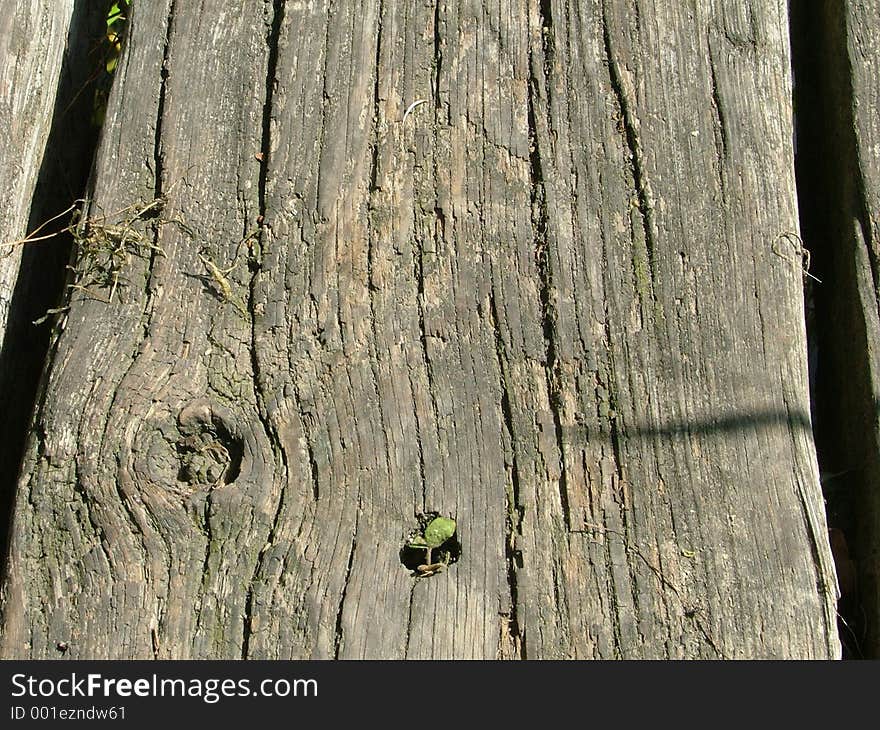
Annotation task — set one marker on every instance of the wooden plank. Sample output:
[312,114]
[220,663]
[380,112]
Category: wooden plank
[32,44]
[50,66]
[139,534]
[839,163]
[862,48]
[545,302]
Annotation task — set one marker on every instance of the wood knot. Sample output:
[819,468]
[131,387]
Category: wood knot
[209,450]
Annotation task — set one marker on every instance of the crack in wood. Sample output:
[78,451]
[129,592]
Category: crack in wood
[621,85]
[723,143]
[273,37]
[409,617]
[515,510]
[546,291]
[722,131]
[158,152]
[209,539]
[545,15]
[339,632]
[604,377]
[438,55]
[423,342]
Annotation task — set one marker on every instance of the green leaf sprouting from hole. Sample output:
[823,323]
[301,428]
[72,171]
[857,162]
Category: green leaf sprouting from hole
[438,531]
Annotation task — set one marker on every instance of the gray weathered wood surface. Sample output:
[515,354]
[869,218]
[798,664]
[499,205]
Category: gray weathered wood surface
[546,302]
[32,42]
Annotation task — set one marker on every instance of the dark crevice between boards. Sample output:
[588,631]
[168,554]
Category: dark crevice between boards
[40,287]
[843,401]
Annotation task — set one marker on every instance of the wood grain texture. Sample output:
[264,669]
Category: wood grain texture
[545,302]
[33,36]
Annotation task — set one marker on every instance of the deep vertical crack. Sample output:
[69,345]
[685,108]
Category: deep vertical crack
[438,54]
[409,618]
[158,157]
[158,164]
[419,274]
[514,511]
[722,131]
[718,111]
[549,315]
[545,14]
[340,633]
[604,377]
[374,152]
[273,35]
[623,94]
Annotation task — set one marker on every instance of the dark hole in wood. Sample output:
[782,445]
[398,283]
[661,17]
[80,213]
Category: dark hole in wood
[411,558]
[209,454]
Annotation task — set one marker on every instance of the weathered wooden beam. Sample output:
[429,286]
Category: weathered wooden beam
[554,301]
[33,37]
[839,170]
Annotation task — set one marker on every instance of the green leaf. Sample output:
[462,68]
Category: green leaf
[417,542]
[114,14]
[438,531]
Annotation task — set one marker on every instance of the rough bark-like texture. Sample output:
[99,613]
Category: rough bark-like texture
[32,42]
[549,301]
